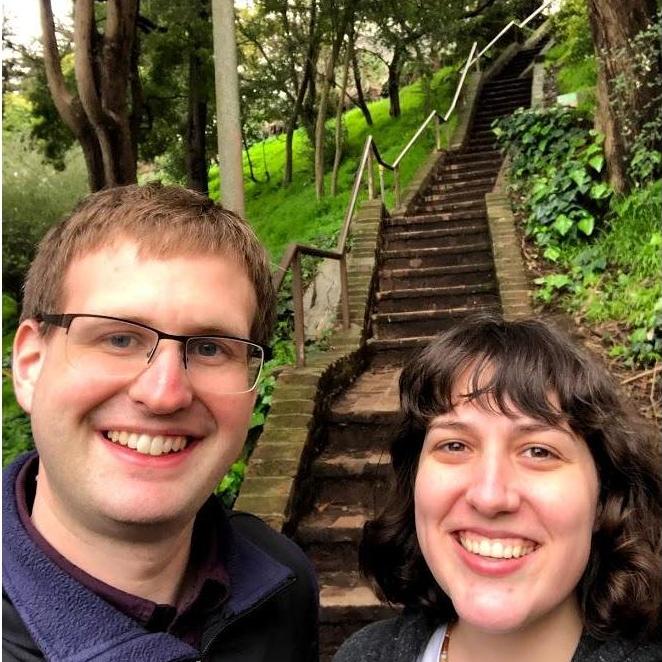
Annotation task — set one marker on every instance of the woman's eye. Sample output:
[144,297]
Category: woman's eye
[539,453]
[452,446]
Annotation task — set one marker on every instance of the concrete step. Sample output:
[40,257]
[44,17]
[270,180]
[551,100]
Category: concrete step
[469,274]
[463,194]
[471,167]
[422,322]
[437,238]
[464,253]
[467,175]
[472,156]
[395,351]
[477,206]
[432,298]
[433,219]
[346,608]
[460,188]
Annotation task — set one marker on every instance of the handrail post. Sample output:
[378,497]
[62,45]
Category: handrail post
[381,182]
[344,292]
[437,133]
[297,301]
[371,177]
[396,184]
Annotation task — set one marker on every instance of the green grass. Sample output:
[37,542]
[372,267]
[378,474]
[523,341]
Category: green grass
[629,247]
[575,75]
[283,215]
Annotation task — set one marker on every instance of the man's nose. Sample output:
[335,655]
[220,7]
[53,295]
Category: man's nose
[493,488]
[164,385]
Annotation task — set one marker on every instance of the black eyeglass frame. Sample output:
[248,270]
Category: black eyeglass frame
[64,320]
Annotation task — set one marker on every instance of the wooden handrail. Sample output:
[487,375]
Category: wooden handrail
[292,256]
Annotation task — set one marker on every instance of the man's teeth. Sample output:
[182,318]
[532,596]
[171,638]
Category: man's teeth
[496,549]
[146,444]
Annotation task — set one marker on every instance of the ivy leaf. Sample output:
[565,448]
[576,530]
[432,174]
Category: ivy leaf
[552,253]
[578,175]
[596,162]
[599,191]
[586,225]
[562,225]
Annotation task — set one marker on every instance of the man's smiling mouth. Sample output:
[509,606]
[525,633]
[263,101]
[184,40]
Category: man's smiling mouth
[496,548]
[148,444]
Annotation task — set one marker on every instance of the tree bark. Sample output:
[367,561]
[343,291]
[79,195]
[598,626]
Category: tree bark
[347,16]
[339,112]
[196,144]
[69,106]
[625,94]
[251,172]
[301,94]
[394,83]
[360,97]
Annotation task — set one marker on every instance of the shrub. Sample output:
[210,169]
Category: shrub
[557,162]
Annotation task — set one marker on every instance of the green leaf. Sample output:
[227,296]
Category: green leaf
[552,253]
[562,224]
[579,176]
[586,225]
[599,191]
[596,162]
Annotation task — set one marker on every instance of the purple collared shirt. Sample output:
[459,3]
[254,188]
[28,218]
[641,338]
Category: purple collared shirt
[207,585]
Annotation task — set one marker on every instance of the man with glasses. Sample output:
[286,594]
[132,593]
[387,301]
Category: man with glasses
[143,333]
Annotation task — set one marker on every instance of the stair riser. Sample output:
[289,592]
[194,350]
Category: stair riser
[328,556]
[413,224]
[343,625]
[393,357]
[409,329]
[447,280]
[436,302]
[367,492]
[467,189]
[468,196]
[358,437]
[436,242]
[439,260]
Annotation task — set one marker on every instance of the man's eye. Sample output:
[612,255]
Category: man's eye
[121,341]
[208,349]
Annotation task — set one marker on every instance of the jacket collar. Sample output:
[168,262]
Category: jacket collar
[71,624]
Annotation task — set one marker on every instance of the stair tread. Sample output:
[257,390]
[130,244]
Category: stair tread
[435,313]
[488,286]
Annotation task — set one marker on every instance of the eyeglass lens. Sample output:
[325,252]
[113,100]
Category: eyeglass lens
[222,365]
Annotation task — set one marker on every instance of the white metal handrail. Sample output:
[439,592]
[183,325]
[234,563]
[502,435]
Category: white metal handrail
[292,257]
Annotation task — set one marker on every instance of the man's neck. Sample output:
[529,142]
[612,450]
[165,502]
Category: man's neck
[554,638]
[146,561]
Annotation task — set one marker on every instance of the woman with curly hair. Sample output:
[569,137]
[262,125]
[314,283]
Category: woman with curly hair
[525,520]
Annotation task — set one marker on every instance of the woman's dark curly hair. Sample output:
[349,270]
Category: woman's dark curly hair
[534,367]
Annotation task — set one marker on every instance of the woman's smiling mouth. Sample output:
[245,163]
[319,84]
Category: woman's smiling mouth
[495,548]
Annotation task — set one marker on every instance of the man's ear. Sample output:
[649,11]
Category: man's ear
[27,360]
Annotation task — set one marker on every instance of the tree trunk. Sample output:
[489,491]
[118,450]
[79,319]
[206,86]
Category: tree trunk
[251,172]
[69,106]
[394,83]
[347,16]
[339,112]
[196,152]
[306,81]
[625,92]
[360,98]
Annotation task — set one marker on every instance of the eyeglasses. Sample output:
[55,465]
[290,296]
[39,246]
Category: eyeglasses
[114,346]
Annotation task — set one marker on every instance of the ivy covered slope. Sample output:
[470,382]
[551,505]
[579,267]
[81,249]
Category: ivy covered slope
[598,254]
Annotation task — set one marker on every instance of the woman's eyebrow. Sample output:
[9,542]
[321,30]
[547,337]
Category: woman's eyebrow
[453,425]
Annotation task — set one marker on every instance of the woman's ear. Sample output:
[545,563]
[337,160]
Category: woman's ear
[27,359]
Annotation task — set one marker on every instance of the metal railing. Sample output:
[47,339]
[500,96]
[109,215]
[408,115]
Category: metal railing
[370,156]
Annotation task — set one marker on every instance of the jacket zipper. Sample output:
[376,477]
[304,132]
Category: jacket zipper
[250,610]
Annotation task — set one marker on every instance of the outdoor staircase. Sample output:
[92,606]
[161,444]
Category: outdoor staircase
[435,267]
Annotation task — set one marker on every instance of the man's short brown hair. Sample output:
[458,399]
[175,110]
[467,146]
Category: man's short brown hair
[164,221]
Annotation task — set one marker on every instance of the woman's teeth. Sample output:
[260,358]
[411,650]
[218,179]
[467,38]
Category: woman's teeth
[495,548]
[147,444]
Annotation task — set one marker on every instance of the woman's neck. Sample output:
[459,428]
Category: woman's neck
[552,638]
